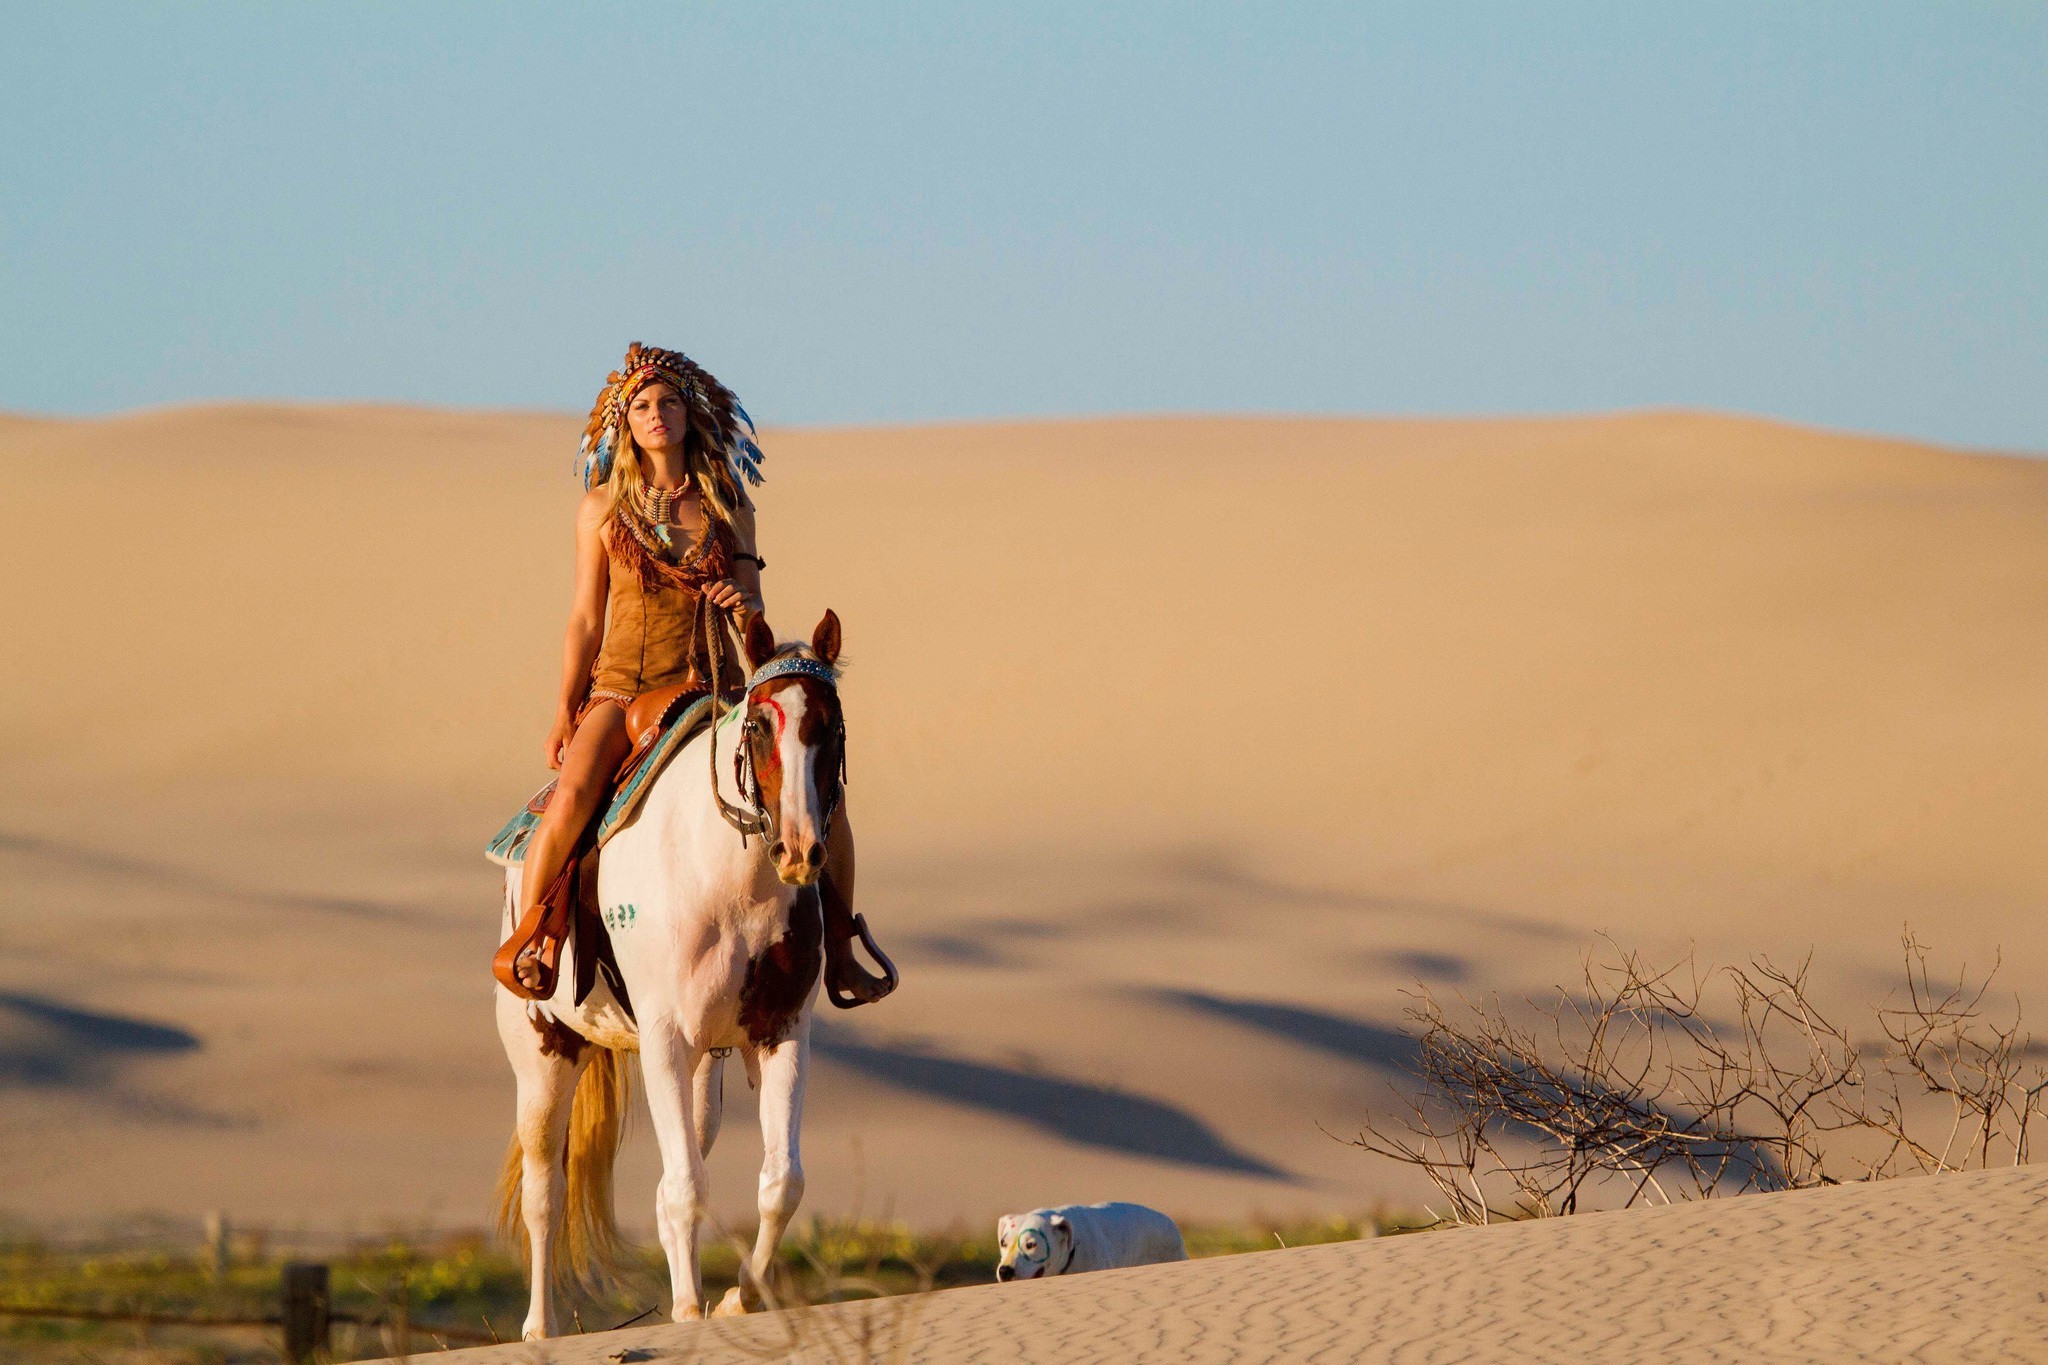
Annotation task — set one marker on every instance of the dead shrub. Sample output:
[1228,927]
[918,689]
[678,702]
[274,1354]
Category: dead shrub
[1660,1084]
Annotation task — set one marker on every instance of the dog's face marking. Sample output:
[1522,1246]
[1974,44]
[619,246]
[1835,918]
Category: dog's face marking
[1033,1245]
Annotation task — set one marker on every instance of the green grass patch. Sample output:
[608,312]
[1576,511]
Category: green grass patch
[475,1287]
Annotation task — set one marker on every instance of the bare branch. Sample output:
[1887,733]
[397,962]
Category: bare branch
[1635,1080]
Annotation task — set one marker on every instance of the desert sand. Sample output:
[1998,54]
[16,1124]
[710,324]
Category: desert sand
[1179,749]
[1894,1271]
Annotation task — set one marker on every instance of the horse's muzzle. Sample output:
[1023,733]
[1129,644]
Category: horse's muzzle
[798,869]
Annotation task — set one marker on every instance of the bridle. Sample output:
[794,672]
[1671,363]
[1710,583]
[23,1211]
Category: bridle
[753,817]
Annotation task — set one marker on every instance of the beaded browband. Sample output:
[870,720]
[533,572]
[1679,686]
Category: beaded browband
[637,378]
[794,665]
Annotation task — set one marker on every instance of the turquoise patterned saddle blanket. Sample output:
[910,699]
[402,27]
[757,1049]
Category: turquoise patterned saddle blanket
[508,848]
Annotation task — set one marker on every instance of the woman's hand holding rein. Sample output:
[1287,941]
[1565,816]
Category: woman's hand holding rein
[731,596]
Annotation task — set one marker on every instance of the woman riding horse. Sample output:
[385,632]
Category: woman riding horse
[664,528]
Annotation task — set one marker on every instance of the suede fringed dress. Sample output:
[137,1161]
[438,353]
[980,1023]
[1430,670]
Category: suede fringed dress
[652,615]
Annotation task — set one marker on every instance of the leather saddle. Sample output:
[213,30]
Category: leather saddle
[651,714]
[569,904]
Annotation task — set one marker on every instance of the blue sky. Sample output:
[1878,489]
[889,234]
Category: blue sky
[876,212]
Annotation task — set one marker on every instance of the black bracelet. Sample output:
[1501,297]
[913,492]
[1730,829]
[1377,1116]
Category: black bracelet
[759,562]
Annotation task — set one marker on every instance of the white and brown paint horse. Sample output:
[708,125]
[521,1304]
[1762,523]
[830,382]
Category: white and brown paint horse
[719,944]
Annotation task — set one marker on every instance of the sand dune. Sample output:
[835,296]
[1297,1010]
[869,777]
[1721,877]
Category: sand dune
[1178,746]
[1896,1271]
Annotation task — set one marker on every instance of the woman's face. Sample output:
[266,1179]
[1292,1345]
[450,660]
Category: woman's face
[656,417]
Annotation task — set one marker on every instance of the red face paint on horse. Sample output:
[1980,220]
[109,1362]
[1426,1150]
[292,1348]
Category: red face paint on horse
[796,729]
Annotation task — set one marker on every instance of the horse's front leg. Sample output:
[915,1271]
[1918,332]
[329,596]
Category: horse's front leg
[668,1061]
[779,1071]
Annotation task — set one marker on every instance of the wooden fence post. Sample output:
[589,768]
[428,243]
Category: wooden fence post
[305,1311]
[217,1235]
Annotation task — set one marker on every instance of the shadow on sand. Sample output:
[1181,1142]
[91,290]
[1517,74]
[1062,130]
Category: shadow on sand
[1091,1115]
[1350,1039]
[44,1043]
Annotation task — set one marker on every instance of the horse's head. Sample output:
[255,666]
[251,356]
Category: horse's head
[796,742]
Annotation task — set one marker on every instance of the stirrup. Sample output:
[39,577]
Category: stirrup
[867,988]
[529,945]
[539,937]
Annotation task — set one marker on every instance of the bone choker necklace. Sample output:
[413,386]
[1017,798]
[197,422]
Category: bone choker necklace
[659,504]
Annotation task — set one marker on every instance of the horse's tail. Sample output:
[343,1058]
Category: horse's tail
[597,1123]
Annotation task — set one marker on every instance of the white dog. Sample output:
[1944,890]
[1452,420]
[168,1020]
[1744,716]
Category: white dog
[1078,1237]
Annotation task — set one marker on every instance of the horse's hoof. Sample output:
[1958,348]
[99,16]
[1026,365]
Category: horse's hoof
[733,1305]
[690,1312]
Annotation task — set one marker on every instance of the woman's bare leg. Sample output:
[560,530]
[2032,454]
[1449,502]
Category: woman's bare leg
[835,895]
[592,760]
[839,858]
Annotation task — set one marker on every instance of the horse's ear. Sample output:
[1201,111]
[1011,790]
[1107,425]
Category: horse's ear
[1058,1223]
[760,640]
[825,639]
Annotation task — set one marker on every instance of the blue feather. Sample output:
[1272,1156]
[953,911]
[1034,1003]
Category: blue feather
[745,458]
[597,462]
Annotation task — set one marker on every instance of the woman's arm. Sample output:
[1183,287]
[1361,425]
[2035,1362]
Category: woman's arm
[585,633]
[741,592]
[747,572]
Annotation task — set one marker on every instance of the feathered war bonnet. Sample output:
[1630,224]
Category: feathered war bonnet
[714,413]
